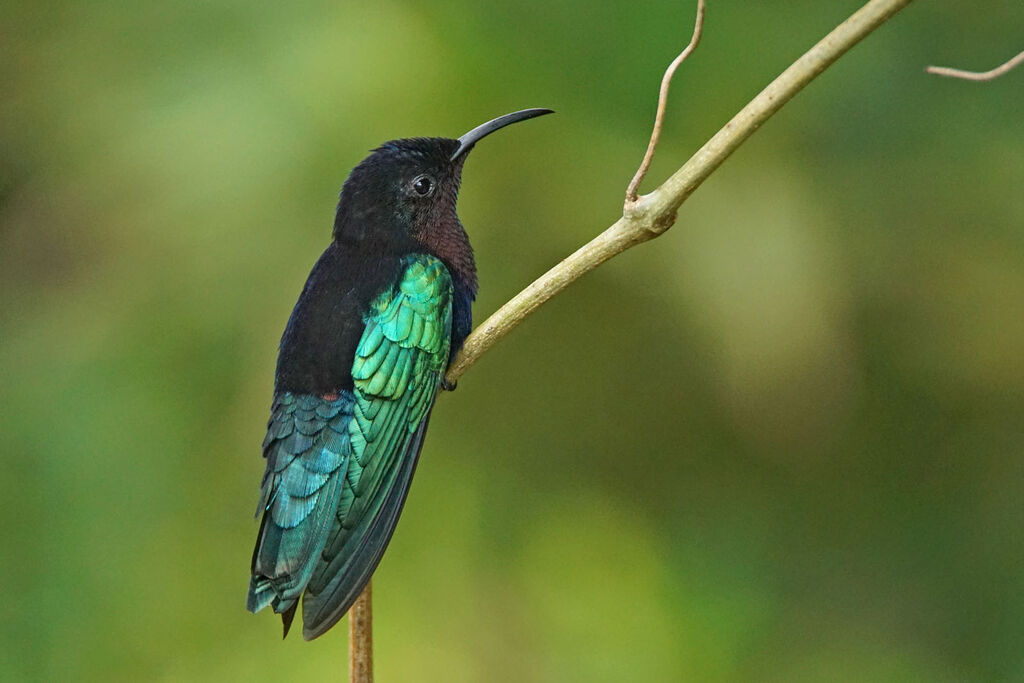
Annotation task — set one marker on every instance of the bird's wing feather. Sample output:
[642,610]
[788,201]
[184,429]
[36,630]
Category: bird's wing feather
[396,375]
[308,449]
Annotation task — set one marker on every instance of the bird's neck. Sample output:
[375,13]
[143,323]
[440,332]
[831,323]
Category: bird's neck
[449,242]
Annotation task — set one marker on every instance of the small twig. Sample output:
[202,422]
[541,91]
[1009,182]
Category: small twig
[977,75]
[360,639]
[666,80]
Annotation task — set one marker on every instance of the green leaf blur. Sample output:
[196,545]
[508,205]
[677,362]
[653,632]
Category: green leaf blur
[782,443]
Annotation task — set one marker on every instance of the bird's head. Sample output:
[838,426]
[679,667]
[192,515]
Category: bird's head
[407,189]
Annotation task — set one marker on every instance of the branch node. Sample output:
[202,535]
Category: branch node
[663,222]
[666,80]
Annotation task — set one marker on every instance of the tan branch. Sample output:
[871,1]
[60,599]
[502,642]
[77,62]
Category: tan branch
[666,80]
[977,75]
[360,638]
[653,214]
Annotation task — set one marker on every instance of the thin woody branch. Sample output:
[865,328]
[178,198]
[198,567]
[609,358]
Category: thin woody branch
[666,81]
[653,214]
[977,75]
[360,639]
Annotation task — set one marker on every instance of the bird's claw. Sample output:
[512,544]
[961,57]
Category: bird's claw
[448,386]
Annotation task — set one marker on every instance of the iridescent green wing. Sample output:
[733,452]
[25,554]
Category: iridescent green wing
[307,449]
[397,372]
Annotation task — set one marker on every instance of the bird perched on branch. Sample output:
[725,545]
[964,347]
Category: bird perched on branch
[361,361]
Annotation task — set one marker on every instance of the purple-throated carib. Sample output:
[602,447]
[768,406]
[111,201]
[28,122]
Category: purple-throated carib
[361,362]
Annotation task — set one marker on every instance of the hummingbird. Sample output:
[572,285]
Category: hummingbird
[361,362]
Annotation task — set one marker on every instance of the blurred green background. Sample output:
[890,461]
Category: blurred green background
[782,443]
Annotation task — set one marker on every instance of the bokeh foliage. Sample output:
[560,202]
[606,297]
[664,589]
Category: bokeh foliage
[783,442]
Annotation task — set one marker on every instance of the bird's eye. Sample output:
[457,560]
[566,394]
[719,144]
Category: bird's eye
[423,185]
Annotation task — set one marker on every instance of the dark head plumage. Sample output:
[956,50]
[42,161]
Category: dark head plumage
[405,191]
[399,191]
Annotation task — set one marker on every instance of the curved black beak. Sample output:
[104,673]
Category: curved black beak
[467,141]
